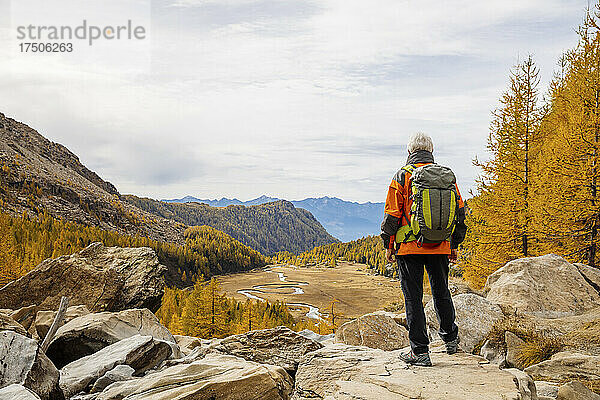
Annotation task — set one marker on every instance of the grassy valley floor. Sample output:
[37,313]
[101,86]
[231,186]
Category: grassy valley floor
[357,291]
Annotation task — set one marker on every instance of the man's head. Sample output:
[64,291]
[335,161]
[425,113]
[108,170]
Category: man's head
[419,141]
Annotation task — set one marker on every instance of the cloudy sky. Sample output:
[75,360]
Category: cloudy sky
[290,98]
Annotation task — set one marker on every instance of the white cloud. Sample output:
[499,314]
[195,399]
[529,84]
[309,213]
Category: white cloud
[293,99]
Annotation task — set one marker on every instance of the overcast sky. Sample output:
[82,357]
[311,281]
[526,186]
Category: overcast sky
[292,99]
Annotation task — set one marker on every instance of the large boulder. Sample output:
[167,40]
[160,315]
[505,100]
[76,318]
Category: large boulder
[278,346]
[7,323]
[86,335]
[340,371]
[216,376]
[576,391]
[22,362]
[43,319]
[475,317]
[139,352]
[17,392]
[377,330]
[567,365]
[547,286]
[101,278]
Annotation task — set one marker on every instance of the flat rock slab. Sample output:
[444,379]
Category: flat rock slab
[345,372]
[139,352]
[23,363]
[102,278]
[475,317]
[17,392]
[217,376]
[546,286]
[278,346]
[86,335]
[375,330]
[567,365]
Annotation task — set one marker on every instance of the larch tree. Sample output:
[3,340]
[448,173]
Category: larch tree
[500,215]
[568,200]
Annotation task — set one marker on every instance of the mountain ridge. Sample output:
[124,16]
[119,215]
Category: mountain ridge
[345,220]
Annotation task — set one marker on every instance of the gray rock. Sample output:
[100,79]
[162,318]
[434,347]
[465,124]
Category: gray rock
[278,346]
[547,389]
[102,278]
[23,363]
[576,391]
[546,286]
[216,376]
[567,365]
[514,344]
[119,373]
[17,392]
[139,352]
[340,371]
[375,330]
[475,317]
[525,384]
[493,353]
[86,335]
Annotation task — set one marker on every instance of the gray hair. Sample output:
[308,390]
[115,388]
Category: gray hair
[420,141]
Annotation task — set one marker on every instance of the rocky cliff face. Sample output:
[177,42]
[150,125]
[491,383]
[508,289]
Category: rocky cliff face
[38,175]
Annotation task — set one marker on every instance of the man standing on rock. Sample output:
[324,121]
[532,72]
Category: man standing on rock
[423,225]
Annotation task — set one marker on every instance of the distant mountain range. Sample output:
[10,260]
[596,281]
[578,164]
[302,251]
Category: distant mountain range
[345,220]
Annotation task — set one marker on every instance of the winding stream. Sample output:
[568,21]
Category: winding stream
[282,288]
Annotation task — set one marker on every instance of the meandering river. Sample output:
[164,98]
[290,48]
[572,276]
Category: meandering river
[283,288]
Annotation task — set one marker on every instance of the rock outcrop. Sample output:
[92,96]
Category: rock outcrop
[139,352]
[216,376]
[547,286]
[340,371]
[101,278]
[86,335]
[475,317]
[278,346]
[567,365]
[377,330]
[23,363]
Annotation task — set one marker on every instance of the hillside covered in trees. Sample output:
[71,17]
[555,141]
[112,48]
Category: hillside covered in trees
[368,250]
[539,192]
[268,228]
[25,242]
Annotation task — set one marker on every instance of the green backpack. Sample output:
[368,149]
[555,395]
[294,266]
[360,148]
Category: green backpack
[434,211]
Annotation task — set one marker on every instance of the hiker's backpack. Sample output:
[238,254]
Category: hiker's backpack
[434,209]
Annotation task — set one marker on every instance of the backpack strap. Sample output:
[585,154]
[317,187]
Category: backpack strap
[409,168]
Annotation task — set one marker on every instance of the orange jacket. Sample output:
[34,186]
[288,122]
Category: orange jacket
[398,204]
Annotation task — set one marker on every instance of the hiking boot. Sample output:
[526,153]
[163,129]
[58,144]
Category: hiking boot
[421,360]
[452,346]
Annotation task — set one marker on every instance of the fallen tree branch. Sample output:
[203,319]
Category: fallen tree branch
[62,309]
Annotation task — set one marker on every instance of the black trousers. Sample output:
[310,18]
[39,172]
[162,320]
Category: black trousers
[410,268]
